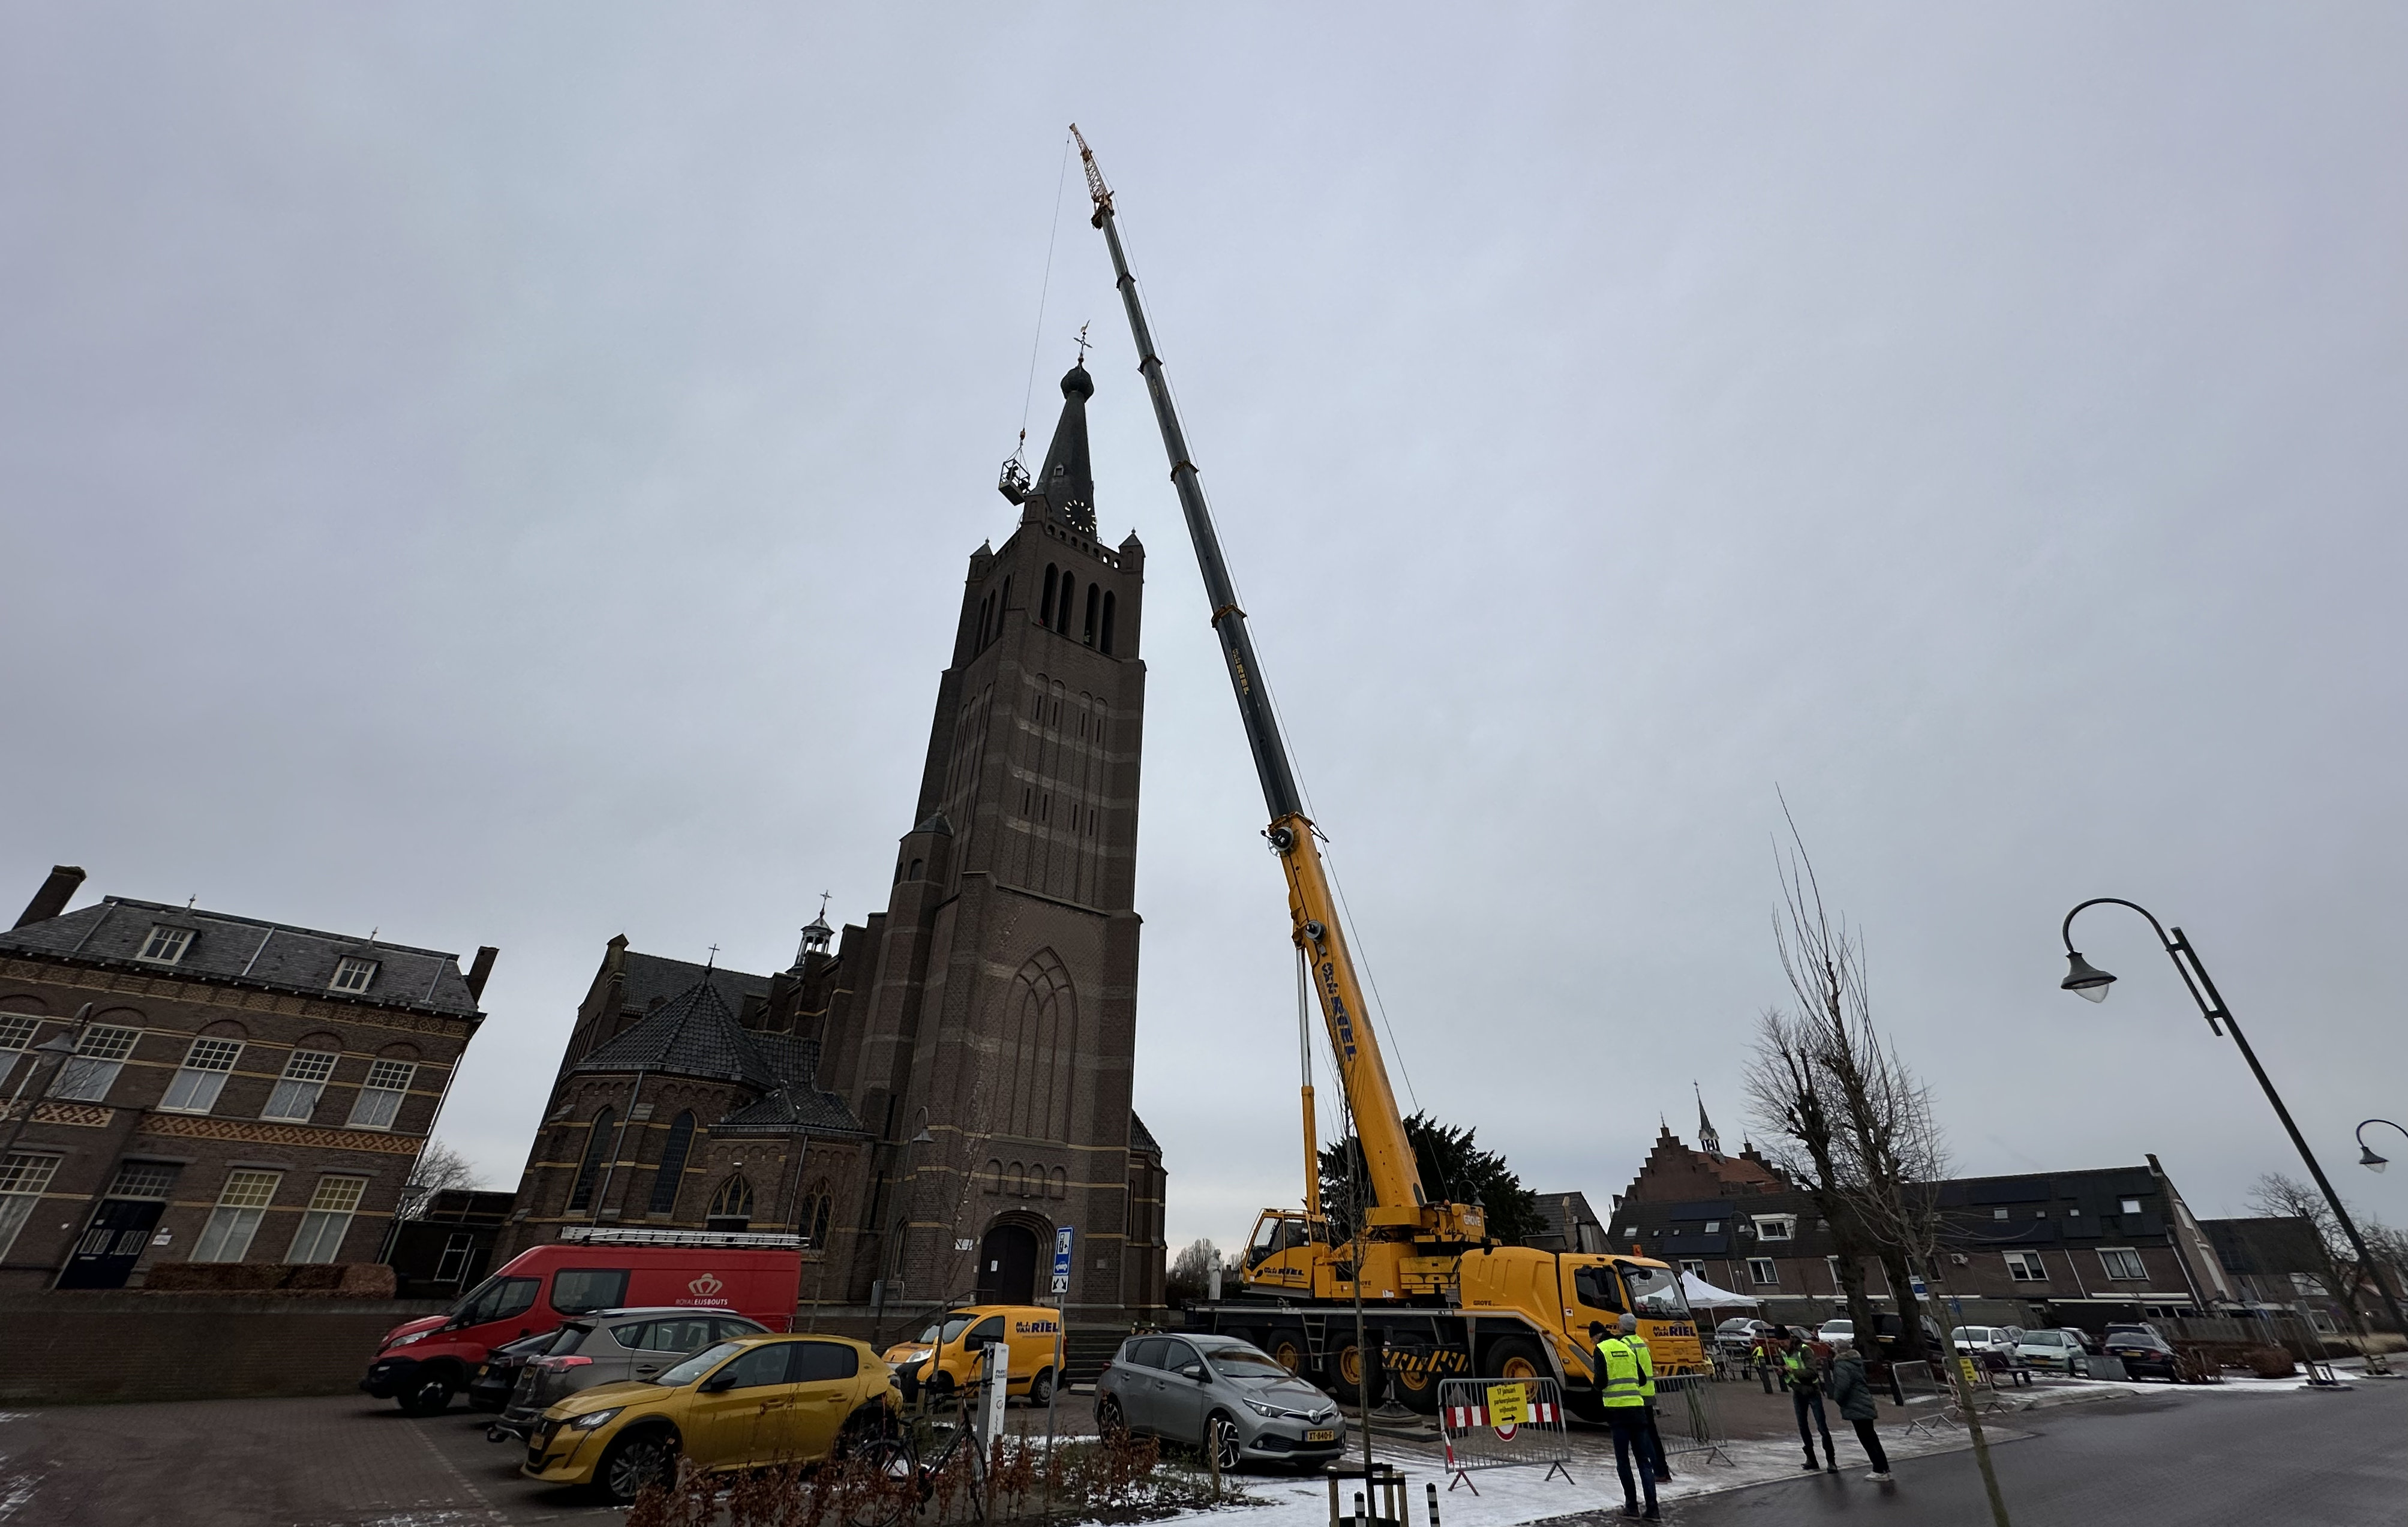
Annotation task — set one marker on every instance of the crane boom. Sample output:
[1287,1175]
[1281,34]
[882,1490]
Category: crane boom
[1397,1198]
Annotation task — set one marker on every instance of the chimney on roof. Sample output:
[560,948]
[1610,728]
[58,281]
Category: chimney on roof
[478,969]
[52,898]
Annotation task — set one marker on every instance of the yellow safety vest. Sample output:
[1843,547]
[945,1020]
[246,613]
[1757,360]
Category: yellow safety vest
[1621,1369]
[1647,1364]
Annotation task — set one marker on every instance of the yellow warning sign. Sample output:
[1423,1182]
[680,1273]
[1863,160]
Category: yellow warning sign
[1508,1404]
[1972,1375]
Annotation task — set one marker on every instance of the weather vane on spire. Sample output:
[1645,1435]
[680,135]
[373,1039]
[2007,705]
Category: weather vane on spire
[1082,344]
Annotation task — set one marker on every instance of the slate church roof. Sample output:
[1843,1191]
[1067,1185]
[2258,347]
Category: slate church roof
[696,1033]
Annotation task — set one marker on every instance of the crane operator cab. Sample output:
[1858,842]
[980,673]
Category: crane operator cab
[1278,1232]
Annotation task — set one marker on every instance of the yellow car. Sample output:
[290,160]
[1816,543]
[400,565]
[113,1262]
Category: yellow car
[744,1404]
[945,1356]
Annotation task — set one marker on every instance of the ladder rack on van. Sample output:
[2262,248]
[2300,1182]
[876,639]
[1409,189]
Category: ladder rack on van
[614,1235]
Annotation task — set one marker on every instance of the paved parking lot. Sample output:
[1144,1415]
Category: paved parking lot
[343,1462]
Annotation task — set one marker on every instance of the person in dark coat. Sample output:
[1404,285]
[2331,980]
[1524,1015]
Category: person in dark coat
[1854,1395]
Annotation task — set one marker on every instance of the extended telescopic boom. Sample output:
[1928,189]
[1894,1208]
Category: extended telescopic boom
[1395,1181]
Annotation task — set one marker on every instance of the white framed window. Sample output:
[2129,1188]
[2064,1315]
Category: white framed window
[1998,1214]
[2131,1205]
[2025,1267]
[17,1030]
[144,1179]
[166,944]
[295,1097]
[380,1098]
[235,1220]
[92,1070]
[1692,1266]
[1833,1263]
[202,1076]
[2122,1264]
[1775,1227]
[1713,1227]
[352,974]
[327,1218]
[1763,1271]
[23,1179]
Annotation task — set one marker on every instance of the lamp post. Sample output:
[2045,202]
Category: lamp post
[2365,1156]
[2087,981]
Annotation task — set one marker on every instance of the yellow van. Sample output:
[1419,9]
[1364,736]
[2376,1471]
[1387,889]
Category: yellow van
[946,1355]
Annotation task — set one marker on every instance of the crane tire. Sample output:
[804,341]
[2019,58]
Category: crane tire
[1516,1357]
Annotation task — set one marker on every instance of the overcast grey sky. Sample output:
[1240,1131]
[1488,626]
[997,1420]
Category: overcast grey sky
[504,474]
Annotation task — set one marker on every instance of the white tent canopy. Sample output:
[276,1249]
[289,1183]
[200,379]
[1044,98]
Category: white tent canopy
[1704,1295]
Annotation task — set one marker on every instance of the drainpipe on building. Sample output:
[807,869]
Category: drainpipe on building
[610,1167]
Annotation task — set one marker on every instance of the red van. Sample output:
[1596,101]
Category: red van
[423,1363]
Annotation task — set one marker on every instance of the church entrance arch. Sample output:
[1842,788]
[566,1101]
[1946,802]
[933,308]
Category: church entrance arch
[1007,1268]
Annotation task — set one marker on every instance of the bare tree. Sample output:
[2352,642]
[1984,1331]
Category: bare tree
[1862,1119]
[2337,1267]
[439,1169]
[1191,1273]
[1787,1092]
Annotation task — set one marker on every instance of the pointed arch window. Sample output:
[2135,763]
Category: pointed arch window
[812,1218]
[1062,609]
[1095,608]
[597,1145]
[1003,604]
[1045,605]
[1109,603]
[731,1207]
[672,1169]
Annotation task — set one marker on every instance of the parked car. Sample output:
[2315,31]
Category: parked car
[2142,1352]
[947,1355]
[1737,1337]
[2087,1342]
[491,1385]
[423,1363]
[735,1405]
[1984,1339]
[610,1346]
[2053,1350]
[1220,1392]
[2115,1329]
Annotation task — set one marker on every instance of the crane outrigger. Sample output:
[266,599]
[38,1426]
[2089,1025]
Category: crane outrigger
[1443,1300]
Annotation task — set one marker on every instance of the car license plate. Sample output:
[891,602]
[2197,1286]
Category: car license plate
[1325,1435]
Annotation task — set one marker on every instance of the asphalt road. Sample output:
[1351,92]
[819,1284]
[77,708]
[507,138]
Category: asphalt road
[2334,1460]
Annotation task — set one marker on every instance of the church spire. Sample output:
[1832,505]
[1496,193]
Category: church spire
[1065,489]
[1708,1140]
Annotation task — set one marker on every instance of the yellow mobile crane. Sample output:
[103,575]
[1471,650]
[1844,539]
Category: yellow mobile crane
[1420,1283]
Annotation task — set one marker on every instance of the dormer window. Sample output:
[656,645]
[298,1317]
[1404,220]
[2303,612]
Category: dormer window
[352,974]
[166,944]
[1776,1227]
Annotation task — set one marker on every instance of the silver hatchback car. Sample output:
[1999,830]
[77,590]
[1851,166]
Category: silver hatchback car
[1217,1391]
[610,1346]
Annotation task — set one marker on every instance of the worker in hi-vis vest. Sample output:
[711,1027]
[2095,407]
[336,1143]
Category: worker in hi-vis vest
[1647,1391]
[1623,1376]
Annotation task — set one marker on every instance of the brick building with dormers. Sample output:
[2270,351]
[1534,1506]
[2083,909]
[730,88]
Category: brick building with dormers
[179,1085]
[2013,1248]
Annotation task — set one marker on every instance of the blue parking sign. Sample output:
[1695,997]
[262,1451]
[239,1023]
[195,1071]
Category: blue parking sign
[1062,1239]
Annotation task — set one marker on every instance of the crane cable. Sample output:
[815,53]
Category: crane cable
[1037,341]
[1354,935]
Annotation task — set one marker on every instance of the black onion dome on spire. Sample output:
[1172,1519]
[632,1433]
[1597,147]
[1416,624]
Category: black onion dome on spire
[1066,483]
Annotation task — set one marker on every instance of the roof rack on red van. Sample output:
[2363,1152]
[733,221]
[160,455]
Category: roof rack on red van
[614,1235]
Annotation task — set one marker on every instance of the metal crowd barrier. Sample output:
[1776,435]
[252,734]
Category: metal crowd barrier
[1497,1423]
[1686,1420]
[1917,1386]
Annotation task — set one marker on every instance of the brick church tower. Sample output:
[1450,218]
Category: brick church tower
[991,1047]
[924,1105]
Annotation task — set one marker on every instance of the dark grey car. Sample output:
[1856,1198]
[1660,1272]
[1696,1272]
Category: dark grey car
[1222,1393]
[610,1346]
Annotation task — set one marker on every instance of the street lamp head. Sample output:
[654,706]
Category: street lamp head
[58,1044]
[2086,979]
[923,1138]
[2367,1159]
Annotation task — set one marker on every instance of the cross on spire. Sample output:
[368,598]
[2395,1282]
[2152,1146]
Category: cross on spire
[1082,344]
[712,963]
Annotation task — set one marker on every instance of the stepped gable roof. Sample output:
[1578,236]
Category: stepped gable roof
[648,981]
[797,1108]
[247,952]
[1140,1137]
[695,1034]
